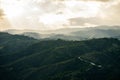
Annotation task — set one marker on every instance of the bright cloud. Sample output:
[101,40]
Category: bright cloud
[52,14]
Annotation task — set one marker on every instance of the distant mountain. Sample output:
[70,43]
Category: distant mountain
[24,58]
[118,37]
[32,35]
[98,33]
[72,33]
[66,37]
[89,33]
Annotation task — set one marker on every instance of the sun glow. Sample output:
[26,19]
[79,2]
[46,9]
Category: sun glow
[43,14]
[12,8]
[15,12]
[50,19]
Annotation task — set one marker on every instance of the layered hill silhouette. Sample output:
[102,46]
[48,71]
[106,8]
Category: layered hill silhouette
[72,33]
[25,58]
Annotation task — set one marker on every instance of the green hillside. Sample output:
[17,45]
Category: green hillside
[24,58]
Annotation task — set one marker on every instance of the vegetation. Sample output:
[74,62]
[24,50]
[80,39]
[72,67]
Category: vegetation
[24,58]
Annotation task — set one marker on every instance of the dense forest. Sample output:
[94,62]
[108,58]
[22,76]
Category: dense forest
[24,58]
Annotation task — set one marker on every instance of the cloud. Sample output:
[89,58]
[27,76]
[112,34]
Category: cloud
[1,14]
[112,13]
[109,15]
[98,0]
[4,23]
[79,21]
[85,0]
[49,14]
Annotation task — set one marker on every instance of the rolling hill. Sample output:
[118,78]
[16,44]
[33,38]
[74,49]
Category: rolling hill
[24,58]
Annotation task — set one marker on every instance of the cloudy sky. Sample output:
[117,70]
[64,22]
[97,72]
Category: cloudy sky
[55,14]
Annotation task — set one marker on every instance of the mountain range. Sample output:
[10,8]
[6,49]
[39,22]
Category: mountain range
[72,33]
[26,58]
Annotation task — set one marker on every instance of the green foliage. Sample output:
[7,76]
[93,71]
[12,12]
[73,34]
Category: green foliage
[24,58]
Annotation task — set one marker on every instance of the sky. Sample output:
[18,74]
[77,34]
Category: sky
[56,14]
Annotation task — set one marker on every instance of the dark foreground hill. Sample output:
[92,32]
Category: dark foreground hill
[23,58]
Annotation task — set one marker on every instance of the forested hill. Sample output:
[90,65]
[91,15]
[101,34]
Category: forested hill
[14,43]
[24,58]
